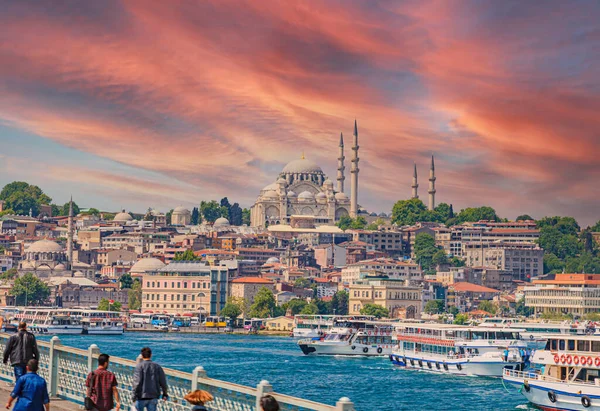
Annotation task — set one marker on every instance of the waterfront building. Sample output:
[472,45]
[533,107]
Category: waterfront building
[248,287]
[465,296]
[185,286]
[525,260]
[325,287]
[302,188]
[575,294]
[283,323]
[181,216]
[393,269]
[381,240]
[87,295]
[46,258]
[401,300]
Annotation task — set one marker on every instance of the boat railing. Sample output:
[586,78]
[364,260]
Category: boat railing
[531,375]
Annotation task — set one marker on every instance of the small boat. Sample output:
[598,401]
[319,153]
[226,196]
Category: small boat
[567,374]
[460,350]
[313,326]
[352,337]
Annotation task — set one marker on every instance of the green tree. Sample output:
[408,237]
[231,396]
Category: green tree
[358,223]
[65,208]
[106,305]
[584,263]
[225,208]
[424,250]
[210,210]
[408,212]
[452,310]
[242,304]
[187,255]
[344,222]
[374,226]
[457,262]
[149,216]
[443,212]
[439,258]
[473,214]
[339,303]
[553,264]
[231,311]
[310,309]
[30,290]
[566,225]
[92,211]
[168,216]
[554,241]
[522,309]
[295,306]
[9,274]
[461,319]
[235,215]
[434,307]
[246,216]
[264,305]
[375,310]
[21,197]
[195,216]
[596,227]
[134,296]
[587,241]
[524,217]
[126,281]
[302,282]
[487,306]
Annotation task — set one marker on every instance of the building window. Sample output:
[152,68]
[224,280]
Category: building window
[185,284]
[178,285]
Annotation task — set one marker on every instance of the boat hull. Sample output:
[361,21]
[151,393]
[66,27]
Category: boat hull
[480,367]
[324,348]
[566,396]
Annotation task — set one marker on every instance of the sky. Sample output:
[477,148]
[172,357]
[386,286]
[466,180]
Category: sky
[137,104]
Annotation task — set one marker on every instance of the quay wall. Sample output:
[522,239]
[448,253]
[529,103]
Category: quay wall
[66,368]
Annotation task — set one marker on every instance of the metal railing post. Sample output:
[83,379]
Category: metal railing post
[344,404]
[263,388]
[53,365]
[199,372]
[93,352]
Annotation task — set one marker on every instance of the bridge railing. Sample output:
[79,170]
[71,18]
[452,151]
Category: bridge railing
[66,368]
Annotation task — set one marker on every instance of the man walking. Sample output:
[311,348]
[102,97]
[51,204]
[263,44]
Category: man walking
[21,348]
[103,384]
[148,381]
[31,391]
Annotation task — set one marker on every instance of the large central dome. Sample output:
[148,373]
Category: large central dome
[302,166]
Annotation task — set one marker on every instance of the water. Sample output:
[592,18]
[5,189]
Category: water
[371,383]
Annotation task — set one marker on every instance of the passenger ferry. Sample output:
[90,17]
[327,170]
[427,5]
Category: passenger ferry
[568,377]
[537,333]
[352,337]
[312,326]
[460,350]
[71,321]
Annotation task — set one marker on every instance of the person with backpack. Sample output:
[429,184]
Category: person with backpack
[21,348]
[148,381]
[102,387]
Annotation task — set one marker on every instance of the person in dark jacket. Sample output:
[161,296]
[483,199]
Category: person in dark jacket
[21,348]
[198,398]
[269,403]
[148,381]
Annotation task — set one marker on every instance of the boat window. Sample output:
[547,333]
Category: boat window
[561,345]
[571,345]
[554,345]
[548,346]
[583,345]
[596,346]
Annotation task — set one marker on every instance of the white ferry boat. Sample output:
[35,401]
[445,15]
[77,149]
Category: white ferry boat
[568,377]
[460,350]
[352,337]
[70,321]
[312,326]
[537,333]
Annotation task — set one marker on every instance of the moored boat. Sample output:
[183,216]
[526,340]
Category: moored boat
[567,375]
[460,350]
[352,337]
[314,326]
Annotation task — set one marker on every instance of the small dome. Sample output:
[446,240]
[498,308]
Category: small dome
[341,196]
[272,186]
[281,181]
[302,166]
[292,194]
[222,221]
[146,264]
[59,267]
[270,194]
[272,260]
[78,274]
[181,210]
[306,195]
[321,195]
[123,216]
[45,246]
[327,182]
[384,215]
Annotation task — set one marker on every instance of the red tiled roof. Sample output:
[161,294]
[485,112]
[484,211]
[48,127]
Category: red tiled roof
[473,288]
[251,280]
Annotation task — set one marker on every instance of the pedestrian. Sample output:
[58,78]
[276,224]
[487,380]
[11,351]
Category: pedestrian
[268,403]
[198,398]
[148,382]
[21,348]
[31,391]
[102,386]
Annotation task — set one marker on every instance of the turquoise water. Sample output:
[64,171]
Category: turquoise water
[371,383]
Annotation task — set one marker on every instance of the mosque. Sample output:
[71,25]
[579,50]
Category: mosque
[302,189]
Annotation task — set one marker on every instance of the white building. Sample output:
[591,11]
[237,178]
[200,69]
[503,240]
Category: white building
[395,270]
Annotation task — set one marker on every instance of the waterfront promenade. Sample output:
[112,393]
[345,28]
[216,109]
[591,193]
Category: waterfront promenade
[65,369]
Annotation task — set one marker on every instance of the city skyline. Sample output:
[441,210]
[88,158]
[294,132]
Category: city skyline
[131,105]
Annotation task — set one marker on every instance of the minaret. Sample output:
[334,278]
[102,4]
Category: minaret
[341,168]
[70,237]
[415,185]
[432,185]
[354,176]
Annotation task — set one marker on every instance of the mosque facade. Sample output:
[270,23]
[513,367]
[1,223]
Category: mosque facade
[303,189]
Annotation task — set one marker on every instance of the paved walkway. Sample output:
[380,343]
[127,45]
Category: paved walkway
[55,404]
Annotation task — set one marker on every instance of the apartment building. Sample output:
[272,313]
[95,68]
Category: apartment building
[525,260]
[576,294]
[393,269]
